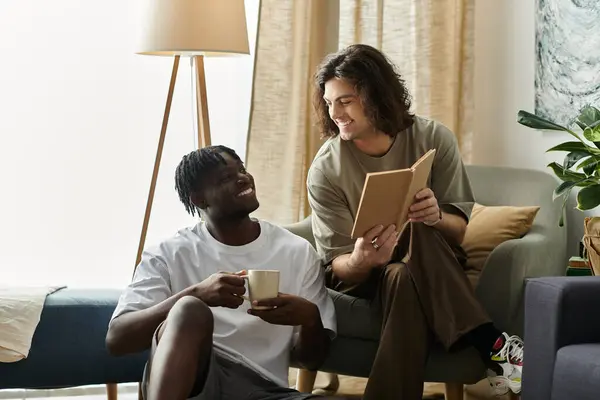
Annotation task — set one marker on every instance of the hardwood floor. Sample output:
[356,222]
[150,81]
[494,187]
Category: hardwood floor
[350,387]
[353,388]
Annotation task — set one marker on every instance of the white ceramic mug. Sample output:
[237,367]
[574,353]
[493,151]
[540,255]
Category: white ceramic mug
[262,284]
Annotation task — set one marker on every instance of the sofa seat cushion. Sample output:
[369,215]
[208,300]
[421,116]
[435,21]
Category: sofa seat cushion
[355,317]
[68,346]
[577,373]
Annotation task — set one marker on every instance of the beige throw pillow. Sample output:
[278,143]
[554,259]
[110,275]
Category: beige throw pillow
[490,226]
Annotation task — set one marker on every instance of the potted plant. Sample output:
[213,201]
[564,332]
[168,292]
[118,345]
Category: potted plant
[581,165]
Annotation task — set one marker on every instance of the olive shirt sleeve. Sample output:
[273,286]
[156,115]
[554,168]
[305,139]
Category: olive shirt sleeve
[449,180]
[331,217]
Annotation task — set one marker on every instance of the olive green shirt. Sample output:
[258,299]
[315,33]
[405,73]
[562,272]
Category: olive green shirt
[338,172]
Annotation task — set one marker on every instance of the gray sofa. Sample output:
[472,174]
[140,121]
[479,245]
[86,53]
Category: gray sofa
[562,332]
[541,252]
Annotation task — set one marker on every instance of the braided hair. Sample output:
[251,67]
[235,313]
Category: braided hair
[194,168]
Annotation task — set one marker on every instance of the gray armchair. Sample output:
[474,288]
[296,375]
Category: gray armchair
[562,330]
[542,252]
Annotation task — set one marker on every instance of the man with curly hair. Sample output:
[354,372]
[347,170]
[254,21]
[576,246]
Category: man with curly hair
[423,294]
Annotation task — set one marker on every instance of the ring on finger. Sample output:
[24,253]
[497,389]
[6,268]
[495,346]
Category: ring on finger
[374,243]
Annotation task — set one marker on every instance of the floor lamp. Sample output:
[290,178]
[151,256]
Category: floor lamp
[195,29]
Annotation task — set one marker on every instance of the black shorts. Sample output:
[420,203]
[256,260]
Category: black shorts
[230,380]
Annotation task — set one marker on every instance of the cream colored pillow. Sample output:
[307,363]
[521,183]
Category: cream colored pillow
[490,226]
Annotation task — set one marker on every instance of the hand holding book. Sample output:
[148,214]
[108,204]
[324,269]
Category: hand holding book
[425,208]
[375,248]
[388,195]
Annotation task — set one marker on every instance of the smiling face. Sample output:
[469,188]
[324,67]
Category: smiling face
[346,110]
[228,192]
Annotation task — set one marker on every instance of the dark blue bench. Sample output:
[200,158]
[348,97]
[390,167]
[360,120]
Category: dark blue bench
[68,345]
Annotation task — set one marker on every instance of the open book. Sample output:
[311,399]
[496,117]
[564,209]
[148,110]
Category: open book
[387,196]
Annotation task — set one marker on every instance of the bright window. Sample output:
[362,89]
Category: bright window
[80,117]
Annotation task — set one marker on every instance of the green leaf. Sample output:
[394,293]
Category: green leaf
[580,124]
[566,175]
[596,129]
[588,197]
[588,116]
[593,135]
[587,183]
[589,165]
[561,221]
[572,158]
[563,188]
[533,121]
[571,146]
[589,169]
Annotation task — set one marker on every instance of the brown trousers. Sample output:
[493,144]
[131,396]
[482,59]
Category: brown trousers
[423,295]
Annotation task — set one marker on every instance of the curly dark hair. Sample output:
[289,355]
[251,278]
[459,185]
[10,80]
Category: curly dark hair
[380,88]
[193,170]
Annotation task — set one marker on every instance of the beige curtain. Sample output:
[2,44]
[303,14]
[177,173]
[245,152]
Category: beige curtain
[431,43]
[293,37]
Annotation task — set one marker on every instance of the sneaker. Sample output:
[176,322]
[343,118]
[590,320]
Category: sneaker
[505,371]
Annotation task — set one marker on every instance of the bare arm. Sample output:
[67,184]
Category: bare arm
[452,227]
[426,209]
[347,272]
[132,332]
[356,266]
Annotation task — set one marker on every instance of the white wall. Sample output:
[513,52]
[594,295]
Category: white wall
[80,117]
[504,84]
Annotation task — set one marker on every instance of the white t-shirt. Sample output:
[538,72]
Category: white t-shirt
[192,255]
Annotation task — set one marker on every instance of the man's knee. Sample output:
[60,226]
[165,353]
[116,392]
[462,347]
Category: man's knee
[396,273]
[191,314]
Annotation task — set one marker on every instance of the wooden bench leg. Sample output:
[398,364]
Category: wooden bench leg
[454,391]
[305,380]
[111,391]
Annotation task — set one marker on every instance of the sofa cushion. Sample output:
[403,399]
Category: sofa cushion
[355,318]
[577,373]
[490,226]
[68,347]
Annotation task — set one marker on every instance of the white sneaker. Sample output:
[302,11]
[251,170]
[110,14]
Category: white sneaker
[509,361]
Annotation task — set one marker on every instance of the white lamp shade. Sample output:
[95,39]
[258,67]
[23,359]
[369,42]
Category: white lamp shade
[193,27]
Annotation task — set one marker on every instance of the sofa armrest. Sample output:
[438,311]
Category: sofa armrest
[303,229]
[559,311]
[501,285]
